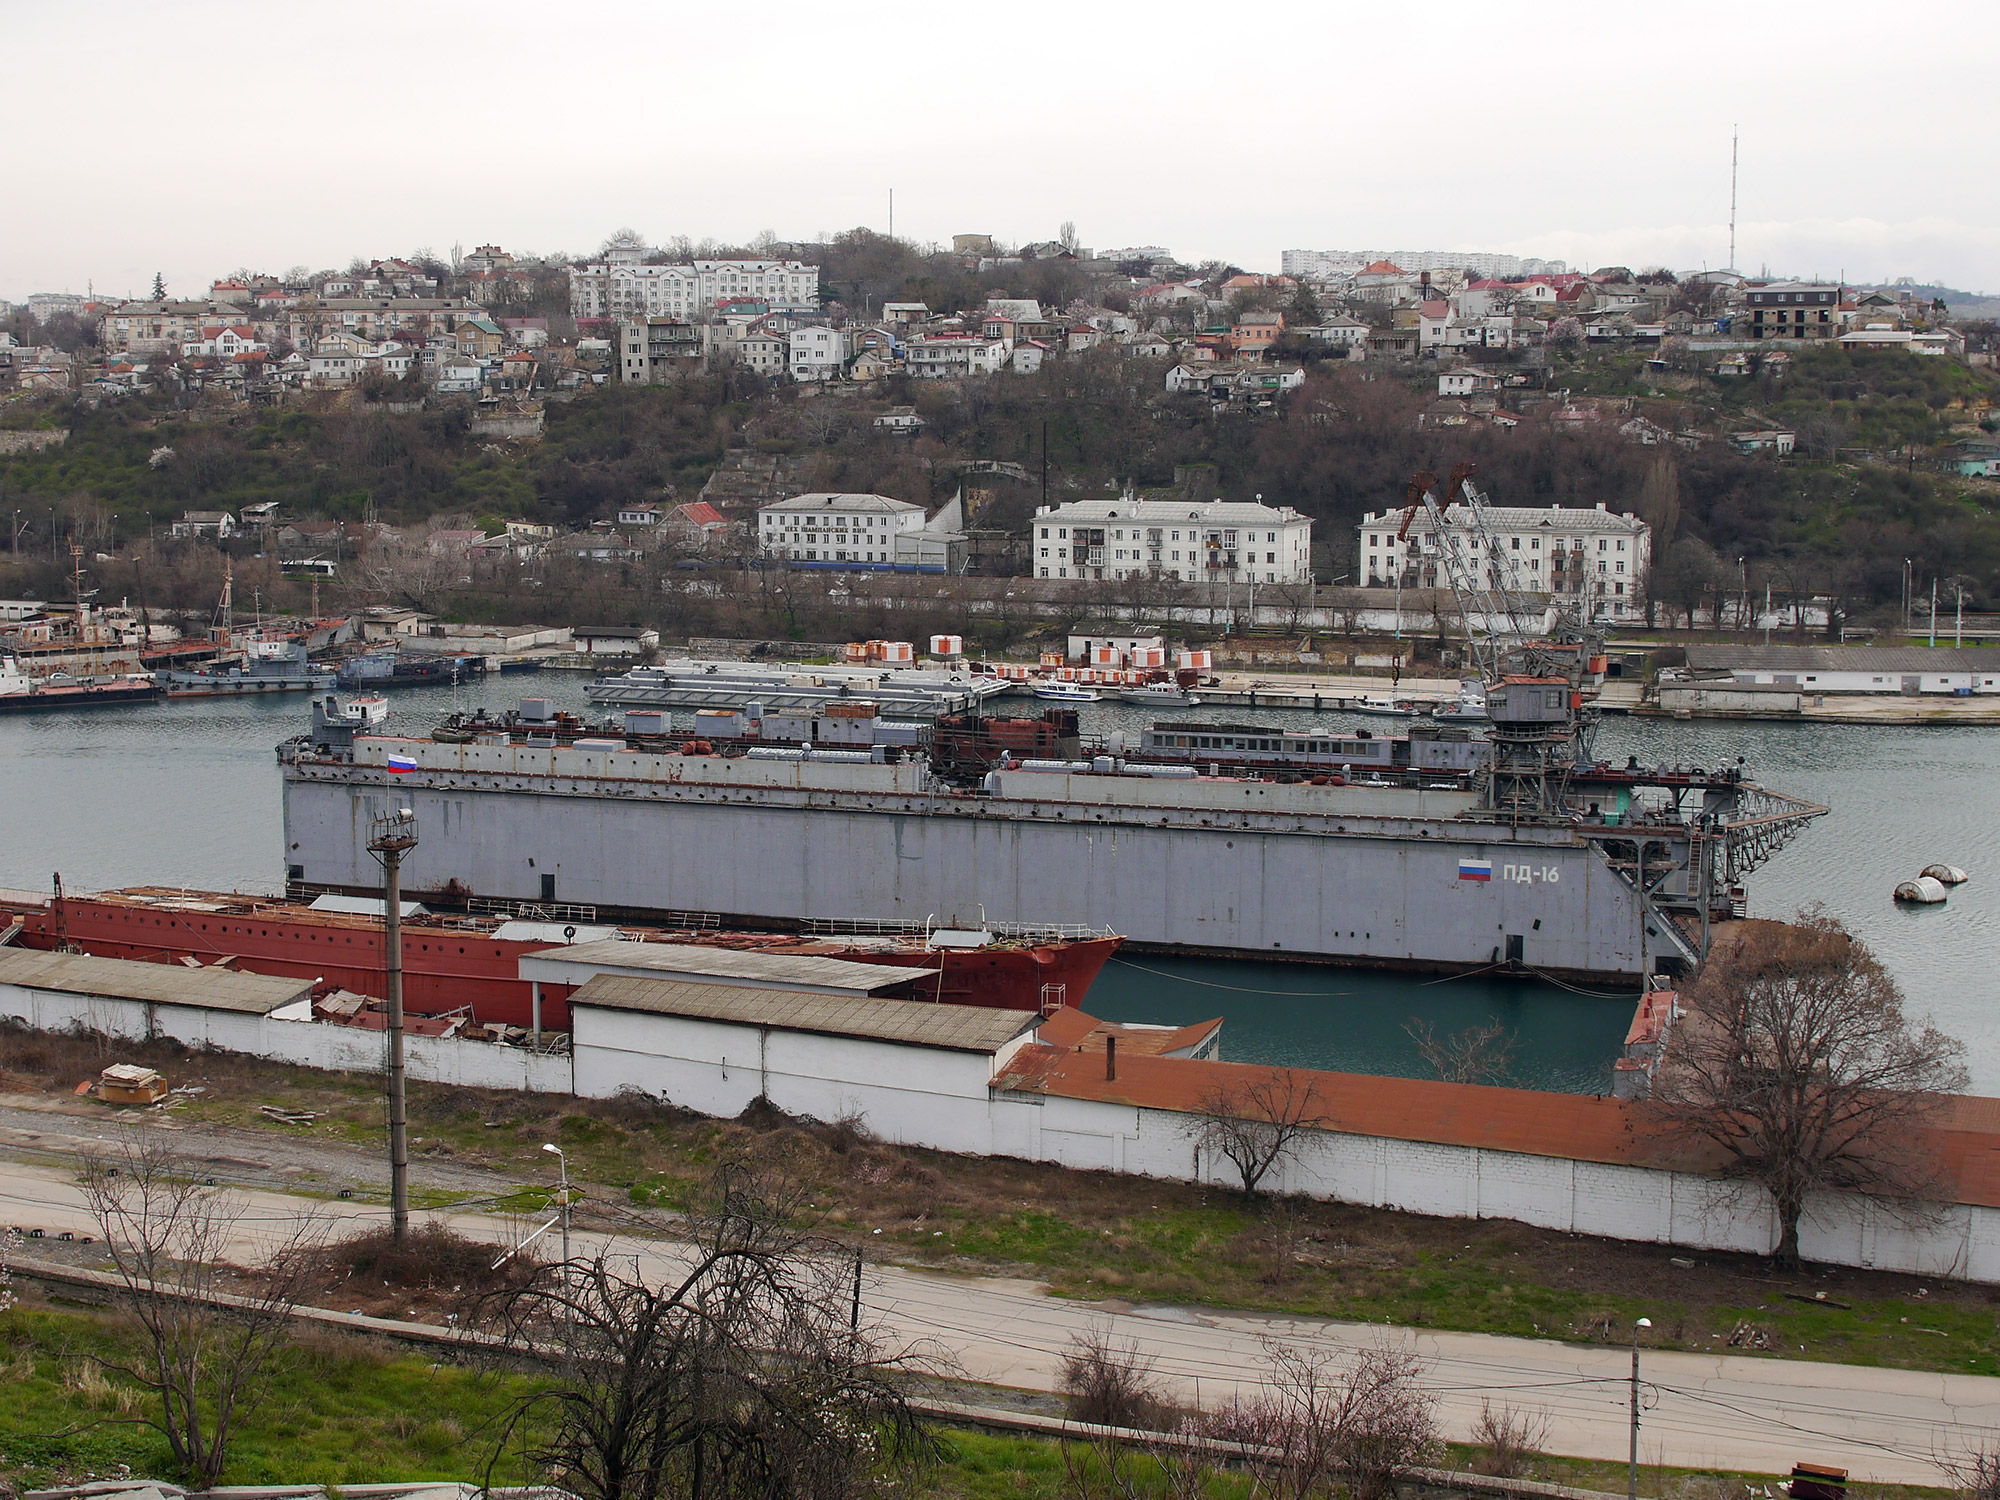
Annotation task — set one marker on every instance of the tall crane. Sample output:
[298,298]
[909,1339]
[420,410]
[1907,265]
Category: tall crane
[1460,535]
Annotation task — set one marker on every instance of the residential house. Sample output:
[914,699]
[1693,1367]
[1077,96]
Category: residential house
[901,420]
[158,327]
[814,354]
[1150,346]
[1807,310]
[949,355]
[1338,331]
[647,516]
[1028,356]
[1977,458]
[622,286]
[525,333]
[1769,440]
[1433,323]
[701,526]
[763,351]
[1467,383]
[1254,333]
[904,313]
[658,348]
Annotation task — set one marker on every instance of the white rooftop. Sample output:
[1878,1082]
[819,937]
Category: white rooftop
[1198,512]
[831,500]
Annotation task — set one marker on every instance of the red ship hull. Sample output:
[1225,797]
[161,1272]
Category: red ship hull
[450,966]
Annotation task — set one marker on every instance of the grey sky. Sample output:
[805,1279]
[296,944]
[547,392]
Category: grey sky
[193,137]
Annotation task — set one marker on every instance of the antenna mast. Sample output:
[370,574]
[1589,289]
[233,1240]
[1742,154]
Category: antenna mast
[1732,197]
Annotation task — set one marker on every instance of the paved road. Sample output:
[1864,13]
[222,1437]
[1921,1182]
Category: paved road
[1885,1426]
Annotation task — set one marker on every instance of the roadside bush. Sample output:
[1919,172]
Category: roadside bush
[433,1257]
[1107,1383]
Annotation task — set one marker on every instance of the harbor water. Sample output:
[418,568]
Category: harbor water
[186,793]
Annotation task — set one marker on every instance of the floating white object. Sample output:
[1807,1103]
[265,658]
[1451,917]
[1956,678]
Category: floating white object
[1923,891]
[1946,874]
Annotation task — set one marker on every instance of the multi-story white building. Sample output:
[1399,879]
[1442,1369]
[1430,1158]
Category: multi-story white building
[835,530]
[159,327]
[953,354]
[1594,556]
[1218,542]
[623,286]
[652,350]
[816,353]
[1327,264]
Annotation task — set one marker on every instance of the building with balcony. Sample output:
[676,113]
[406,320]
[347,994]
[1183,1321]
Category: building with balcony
[1221,541]
[825,530]
[1596,558]
[1794,310]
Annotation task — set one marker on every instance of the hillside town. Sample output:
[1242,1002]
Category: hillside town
[1473,342]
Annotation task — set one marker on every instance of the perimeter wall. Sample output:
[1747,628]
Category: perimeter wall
[941,1100]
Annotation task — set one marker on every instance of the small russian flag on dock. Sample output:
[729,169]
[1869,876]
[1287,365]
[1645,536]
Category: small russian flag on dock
[1468,869]
[400,765]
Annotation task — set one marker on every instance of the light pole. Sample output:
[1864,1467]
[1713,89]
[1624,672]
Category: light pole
[562,1164]
[1632,1471]
[389,839]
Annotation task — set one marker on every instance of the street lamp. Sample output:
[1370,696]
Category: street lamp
[1632,1472]
[562,1163]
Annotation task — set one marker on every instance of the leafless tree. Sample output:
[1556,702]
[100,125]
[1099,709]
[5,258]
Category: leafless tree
[1797,1065]
[744,1373]
[205,1351]
[1507,1439]
[1974,1475]
[1260,1119]
[1332,1422]
[1478,1054]
[1108,1383]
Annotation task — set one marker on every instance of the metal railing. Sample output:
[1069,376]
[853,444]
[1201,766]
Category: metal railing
[533,911]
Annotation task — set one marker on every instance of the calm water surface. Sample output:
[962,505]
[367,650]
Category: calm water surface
[187,793]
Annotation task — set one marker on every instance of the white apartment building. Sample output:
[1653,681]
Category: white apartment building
[949,355]
[833,531]
[1218,542]
[816,353]
[1594,556]
[1326,264]
[623,286]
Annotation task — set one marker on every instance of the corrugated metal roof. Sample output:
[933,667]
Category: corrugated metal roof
[1164,512]
[1840,659]
[915,1023]
[161,984]
[803,970]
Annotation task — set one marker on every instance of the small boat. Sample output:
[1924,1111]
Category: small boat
[1469,707]
[1065,692]
[270,664]
[1160,695]
[1382,708]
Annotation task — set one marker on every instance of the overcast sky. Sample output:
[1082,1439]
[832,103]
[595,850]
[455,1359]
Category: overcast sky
[194,137]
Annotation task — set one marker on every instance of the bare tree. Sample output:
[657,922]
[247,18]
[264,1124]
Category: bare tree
[1797,1064]
[1507,1439]
[1108,1383]
[169,1237]
[1333,1421]
[1478,1054]
[1975,1474]
[743,1374]
[1257,1121]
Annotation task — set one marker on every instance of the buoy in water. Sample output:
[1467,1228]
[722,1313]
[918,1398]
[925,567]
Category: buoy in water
[1946,874]
[1925,890]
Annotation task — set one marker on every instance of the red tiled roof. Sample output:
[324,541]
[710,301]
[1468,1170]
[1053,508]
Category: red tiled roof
[701,513]
[1382,268]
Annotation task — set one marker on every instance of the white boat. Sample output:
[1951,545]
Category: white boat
[1469,707]
[1382,708]
[1065,692]
[1160,695]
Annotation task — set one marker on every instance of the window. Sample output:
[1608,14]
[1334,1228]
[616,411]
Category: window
[1517,543]
[1621,543]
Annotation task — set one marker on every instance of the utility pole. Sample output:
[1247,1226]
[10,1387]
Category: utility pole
[1632,1470]
[389,839]
[1933,611]
[562,1163]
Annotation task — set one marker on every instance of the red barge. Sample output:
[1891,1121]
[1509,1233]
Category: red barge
[455,963]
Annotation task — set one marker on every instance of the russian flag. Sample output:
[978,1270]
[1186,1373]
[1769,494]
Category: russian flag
[1468,869]
[402,765]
